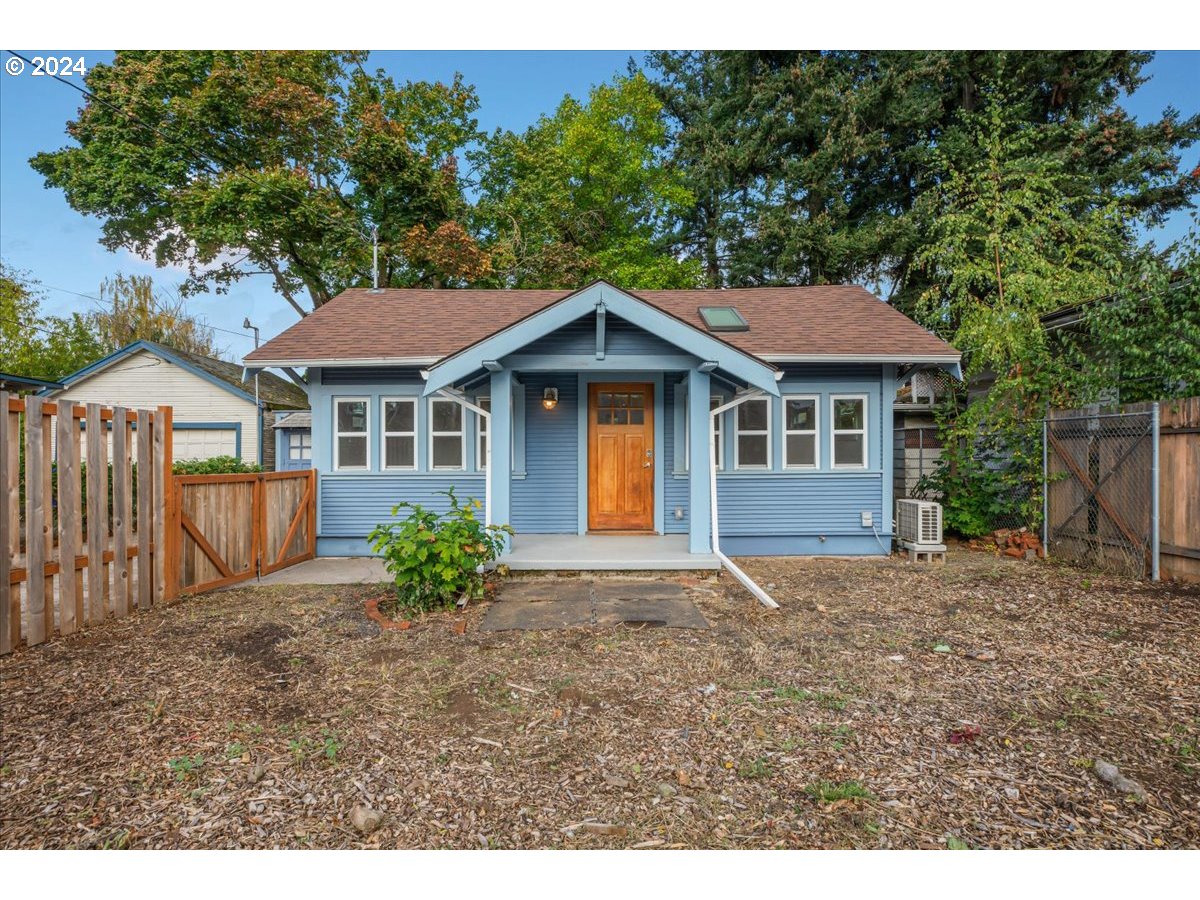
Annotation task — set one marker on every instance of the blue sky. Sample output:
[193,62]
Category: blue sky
[59,247]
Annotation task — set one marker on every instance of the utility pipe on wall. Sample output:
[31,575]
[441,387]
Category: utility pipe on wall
[749,583]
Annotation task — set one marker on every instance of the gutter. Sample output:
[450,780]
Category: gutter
[749,583]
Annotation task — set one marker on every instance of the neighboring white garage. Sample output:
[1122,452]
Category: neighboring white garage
[214,411]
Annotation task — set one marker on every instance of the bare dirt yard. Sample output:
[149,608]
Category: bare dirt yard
[885,705]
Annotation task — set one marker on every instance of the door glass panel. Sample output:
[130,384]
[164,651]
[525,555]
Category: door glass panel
[637,417]
[622,399]
[620,416]
[637,400]
[606,399]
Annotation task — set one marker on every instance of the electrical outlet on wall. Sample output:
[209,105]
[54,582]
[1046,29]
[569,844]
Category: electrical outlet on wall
[679,514]
[867,520]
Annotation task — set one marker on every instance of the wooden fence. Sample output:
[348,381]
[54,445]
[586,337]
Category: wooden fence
[74,548]
[232,527]
[77,549]
[1179,487]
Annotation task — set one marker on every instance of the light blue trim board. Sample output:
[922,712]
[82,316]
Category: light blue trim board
[601,316]
[699,464]
[500,443]
[582,363]
[633,310]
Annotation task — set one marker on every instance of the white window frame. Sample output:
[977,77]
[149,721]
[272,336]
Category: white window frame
[815,431]
[299,435]
[461,433]
[481,431]
[385,434]
[719,429]
[834,431]
[337,462]
[738,432]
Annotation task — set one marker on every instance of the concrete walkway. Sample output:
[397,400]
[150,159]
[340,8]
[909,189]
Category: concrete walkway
[584,603]
[331,570]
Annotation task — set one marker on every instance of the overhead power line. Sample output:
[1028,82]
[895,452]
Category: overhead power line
[207,161]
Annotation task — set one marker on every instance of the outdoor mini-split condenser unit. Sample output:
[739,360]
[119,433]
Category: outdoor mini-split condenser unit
[919,522]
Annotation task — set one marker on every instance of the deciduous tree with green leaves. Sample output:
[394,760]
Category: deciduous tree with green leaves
[234,163]
[35,344]
[585,193]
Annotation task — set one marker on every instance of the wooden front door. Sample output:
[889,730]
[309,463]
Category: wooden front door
[621,457]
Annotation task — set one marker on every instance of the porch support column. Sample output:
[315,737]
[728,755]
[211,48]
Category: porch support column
[699,501]
[500,447]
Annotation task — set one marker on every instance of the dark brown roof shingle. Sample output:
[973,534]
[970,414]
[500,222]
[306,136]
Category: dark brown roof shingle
[429,324]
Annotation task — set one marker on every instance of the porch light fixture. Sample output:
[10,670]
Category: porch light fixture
[550,397]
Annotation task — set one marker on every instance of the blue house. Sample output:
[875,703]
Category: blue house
[612,429]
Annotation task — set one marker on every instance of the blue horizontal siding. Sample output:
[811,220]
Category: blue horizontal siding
[621,338]
[351,505]
[370,375]
[796,504]
[675,490]
[546,500]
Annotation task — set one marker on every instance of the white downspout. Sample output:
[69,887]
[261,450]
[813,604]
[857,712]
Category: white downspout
[487,472]
[763,597]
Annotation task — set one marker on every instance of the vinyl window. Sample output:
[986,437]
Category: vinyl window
[351,433]
[800,428]
[848,416]
[752,435]
[447,439]
[399,433]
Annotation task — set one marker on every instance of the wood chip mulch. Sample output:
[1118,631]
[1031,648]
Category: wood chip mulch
[885,705]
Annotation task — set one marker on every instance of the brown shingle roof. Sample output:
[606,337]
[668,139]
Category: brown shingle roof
[430,324]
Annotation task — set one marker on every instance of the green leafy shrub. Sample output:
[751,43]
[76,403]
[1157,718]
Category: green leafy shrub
[436,558]
[216,465]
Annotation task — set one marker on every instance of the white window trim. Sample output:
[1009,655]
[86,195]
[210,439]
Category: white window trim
[481,431]
[337,463]
[687,432]
[462,436]
[834,431]
[737,434]
[385,434]
[815,431]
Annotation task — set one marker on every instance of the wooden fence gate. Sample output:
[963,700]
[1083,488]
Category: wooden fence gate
[231,528]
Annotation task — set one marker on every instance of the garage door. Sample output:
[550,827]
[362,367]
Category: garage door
[202,443]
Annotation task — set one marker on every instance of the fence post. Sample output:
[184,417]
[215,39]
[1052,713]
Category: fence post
[10,629]
[1154,488]
[1046,486]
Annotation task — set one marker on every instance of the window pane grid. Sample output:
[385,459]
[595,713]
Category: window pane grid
[849,443]
[446,435]
[351,433]
[399,433]
[752,435]
[800,430]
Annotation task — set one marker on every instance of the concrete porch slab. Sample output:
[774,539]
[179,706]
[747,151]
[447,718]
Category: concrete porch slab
[330,570]
[605,552]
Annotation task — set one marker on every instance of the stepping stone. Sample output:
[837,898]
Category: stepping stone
[604,589]
[567,590]
[538,616]
[664,613]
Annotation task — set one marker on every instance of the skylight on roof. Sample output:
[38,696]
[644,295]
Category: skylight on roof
[723,318]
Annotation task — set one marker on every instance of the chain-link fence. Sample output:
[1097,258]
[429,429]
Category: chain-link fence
[1101,489]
